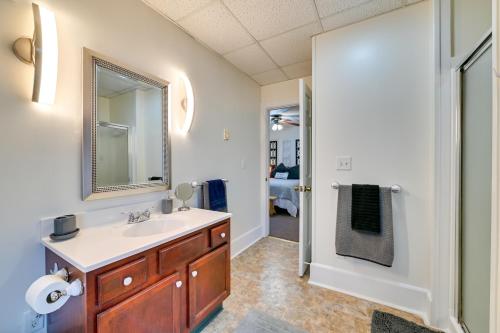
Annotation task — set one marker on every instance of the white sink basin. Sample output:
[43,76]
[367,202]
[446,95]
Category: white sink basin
[153,227]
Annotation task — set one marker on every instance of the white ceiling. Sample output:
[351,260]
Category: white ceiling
[270,40]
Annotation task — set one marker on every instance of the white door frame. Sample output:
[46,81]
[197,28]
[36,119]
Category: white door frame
[455,189]
[495,212]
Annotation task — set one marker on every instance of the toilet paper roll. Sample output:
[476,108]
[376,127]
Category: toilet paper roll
[38,294]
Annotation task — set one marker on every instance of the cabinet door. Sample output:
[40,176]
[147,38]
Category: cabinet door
[209,284]
[155,309]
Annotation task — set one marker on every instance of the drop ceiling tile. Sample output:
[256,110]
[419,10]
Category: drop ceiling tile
[330,7]
[293,46]
[267,18]
[272,76]
[177,9]
[360,13]
[251,60]
[299,70]
[217,28]
[158,5]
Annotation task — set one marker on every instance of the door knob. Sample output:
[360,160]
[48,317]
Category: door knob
[194,273]
[307,188]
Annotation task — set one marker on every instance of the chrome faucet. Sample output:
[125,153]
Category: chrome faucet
[137,217]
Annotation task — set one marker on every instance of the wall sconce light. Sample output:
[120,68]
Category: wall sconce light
[42,52]
[187,103]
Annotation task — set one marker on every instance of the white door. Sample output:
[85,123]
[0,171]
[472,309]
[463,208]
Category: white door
[305,159]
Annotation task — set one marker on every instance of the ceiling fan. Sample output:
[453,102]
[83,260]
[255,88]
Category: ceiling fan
[279,118]
[275,121]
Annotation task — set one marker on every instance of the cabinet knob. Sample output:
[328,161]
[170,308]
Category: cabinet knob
[127,281]
[178,284]
[194,273]
[223,235]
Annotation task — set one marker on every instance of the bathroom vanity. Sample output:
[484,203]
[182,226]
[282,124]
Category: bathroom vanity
[164,275]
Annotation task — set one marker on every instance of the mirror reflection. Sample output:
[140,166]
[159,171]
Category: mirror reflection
[129,130]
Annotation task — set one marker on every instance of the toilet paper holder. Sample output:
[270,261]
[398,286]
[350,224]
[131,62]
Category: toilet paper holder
[50,292]
[75,287]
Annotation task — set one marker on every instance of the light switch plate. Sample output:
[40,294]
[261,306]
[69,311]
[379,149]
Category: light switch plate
[344,163]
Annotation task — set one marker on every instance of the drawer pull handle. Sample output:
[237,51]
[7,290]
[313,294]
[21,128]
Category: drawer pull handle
[194,273]
[223,235]
[127,281]
[178,284]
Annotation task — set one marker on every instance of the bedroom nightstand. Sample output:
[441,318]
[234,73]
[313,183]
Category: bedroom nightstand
[272,211]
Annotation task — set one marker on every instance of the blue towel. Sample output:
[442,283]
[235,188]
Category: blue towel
[217,195]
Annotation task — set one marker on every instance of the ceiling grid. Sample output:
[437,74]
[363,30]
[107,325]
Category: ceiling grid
[269,40]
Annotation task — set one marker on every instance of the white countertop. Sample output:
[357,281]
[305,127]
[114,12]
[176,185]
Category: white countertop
[98,246]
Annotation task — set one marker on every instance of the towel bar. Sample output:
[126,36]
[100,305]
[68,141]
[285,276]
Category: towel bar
[200,184]
[394,188]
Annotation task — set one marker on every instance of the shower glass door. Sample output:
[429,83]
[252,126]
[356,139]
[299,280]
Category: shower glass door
[475,193]
[112,155]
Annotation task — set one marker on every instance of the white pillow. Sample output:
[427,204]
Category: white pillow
[281,175]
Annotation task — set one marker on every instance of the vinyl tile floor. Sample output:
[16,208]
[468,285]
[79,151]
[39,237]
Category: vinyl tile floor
[264,278]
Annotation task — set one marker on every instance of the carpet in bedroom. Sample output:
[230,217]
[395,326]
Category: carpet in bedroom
[284,226]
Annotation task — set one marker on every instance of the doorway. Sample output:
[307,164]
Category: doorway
[475,93]
[284,173]
[289,173]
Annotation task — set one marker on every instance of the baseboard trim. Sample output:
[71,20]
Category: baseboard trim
[243,242]
[397,295]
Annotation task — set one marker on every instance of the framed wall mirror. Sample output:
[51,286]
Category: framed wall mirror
[126,145]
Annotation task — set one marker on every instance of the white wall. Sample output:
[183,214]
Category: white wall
[288,133]
[471,20]
[40,154]
[373,101]
[152,137]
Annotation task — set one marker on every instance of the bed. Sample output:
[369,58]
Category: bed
[287,197]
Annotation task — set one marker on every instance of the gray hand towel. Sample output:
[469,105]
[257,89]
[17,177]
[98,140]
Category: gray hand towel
[378,248]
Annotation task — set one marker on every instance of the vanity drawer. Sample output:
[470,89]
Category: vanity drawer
[219,235]
[121,280]
[180,253]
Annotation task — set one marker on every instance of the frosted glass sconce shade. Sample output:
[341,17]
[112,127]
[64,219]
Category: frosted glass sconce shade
[42,52]
[187,103]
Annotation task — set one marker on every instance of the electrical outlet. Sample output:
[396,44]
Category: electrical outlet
[344,163]
[33,322]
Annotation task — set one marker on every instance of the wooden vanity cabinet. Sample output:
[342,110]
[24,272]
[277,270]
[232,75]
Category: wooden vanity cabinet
[154,309]
[209,284]
[172,287]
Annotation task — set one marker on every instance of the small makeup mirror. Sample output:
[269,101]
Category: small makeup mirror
[184,192]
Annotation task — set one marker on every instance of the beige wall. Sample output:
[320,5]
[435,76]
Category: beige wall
[282,93]
[471,19]
[40,154]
